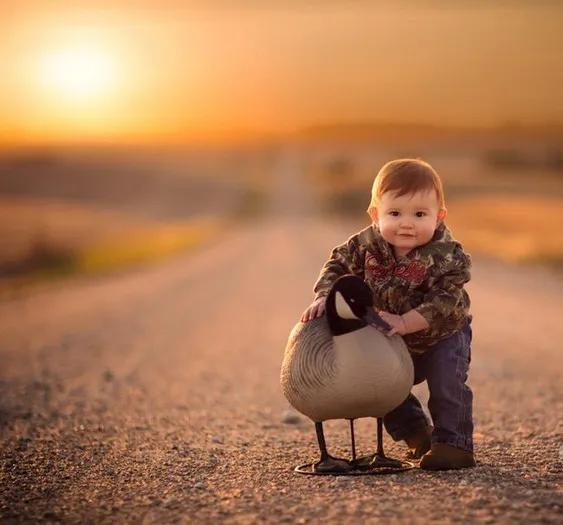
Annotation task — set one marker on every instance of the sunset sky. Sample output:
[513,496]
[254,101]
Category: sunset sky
[133,70]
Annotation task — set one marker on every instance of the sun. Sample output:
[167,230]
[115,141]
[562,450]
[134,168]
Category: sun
[78,73]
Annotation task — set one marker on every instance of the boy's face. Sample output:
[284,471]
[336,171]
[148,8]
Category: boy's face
[408,221]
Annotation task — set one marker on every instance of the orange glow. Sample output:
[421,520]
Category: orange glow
[136,71]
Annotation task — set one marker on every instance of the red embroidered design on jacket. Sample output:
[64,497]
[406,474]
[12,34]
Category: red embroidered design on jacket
[414,272]
[375,269]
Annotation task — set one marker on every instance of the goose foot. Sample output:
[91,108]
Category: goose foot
[331,464]
[378,460]
[383,462]
[374,461]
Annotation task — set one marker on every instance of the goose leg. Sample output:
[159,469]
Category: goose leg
[328,463]
[380,452]
[352,438]
[379,459]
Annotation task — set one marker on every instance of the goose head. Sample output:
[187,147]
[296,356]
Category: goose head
[349,306]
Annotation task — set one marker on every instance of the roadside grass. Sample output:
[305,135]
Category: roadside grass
[44,240]
[149,243]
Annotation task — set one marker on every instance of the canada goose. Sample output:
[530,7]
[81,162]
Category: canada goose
[341,366]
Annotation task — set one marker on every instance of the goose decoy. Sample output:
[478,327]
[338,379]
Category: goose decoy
[341,366]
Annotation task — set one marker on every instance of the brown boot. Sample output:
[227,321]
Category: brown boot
[419,442]
[446,457]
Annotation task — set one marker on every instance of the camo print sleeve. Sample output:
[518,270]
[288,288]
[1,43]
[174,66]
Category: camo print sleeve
[348,258]
[446,303]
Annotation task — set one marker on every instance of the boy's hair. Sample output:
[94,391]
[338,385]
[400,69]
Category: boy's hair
[405,176]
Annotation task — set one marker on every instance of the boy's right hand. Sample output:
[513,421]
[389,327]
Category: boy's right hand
[316,309]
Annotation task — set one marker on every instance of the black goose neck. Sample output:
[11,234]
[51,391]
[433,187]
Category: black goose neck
[338,325]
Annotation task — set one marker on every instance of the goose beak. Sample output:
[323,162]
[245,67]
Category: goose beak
[374,320]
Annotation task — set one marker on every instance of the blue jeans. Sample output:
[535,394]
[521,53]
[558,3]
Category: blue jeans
[444,366]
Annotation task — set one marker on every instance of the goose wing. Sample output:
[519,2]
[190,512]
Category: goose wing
[309,361]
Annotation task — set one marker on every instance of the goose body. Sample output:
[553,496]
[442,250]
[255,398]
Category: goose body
[363,373]
[341,366]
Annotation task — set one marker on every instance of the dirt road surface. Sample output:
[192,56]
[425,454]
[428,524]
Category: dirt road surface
[154,396]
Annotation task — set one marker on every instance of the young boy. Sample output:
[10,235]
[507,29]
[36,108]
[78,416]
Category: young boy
[416,271]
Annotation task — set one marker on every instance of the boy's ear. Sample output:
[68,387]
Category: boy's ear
[442,214]
[373,214]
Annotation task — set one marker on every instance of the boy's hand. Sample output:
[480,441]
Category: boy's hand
[398,325]
[316,309]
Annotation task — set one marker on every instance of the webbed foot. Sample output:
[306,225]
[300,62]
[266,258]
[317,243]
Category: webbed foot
[362,463]
[331,464]
[383,462]
[375,461]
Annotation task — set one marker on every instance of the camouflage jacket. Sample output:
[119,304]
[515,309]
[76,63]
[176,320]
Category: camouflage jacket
[429,279]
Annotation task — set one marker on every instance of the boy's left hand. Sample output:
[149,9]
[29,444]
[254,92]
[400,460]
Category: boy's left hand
[397,323]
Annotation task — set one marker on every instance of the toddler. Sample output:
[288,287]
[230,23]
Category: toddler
[416,271]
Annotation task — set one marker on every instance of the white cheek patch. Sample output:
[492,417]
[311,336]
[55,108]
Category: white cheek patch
[343,308]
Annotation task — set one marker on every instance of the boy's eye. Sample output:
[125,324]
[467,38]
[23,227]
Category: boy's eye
[420,214]
[394,213]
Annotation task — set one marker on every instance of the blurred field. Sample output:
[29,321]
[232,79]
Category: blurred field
[47,238]
[64,213]
[511,228]
[165,183]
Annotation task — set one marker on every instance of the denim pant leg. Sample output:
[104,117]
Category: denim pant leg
[408,417]
[450,403]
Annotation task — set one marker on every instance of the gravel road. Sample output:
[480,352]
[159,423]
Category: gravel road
[154,397]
